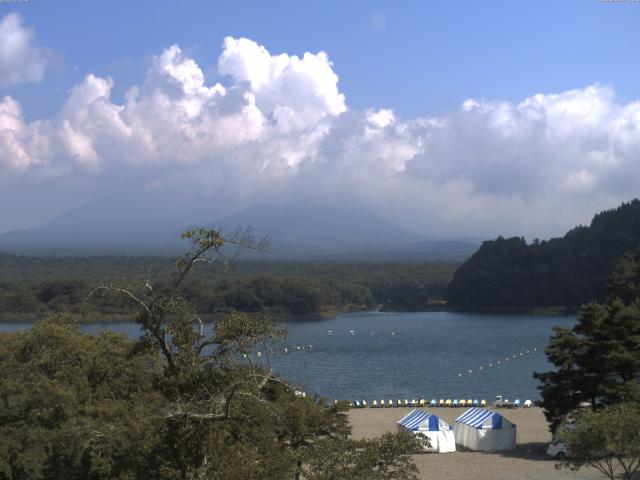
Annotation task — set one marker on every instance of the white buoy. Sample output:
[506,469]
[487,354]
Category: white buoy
[491,364]
[480,368]
[470,371]
[459,374]
[259,354]
[286,350]
[498,362]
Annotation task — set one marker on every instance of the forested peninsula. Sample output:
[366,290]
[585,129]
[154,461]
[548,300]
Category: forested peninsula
[34,287]
[560,273]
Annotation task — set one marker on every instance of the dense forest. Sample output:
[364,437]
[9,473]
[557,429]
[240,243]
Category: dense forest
[561,272]
[32,287]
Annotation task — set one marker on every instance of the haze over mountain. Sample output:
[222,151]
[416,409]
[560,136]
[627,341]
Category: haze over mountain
[295,231]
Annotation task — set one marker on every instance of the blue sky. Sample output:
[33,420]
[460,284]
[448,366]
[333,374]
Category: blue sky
[416,57]
[461,118]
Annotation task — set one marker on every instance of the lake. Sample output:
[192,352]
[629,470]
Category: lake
[385,355]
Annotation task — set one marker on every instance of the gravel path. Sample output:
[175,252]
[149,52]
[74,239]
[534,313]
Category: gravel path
[528,461]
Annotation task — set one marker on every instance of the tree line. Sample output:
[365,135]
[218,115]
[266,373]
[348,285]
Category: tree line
[37,286]
[564,272]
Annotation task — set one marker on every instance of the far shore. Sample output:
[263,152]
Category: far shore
[527,461]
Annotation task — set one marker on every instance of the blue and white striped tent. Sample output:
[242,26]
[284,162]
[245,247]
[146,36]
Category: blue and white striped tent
[484,430]
[438,432]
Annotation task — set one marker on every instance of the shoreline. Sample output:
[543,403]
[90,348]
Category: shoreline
[31,318]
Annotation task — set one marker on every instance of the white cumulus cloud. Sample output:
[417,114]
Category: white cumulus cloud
[277,128]
[21,60]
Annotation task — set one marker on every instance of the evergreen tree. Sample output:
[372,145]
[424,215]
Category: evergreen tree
[598,360]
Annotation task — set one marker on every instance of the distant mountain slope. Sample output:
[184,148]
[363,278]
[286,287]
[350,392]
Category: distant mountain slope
[144,225]
[296,232]
[321,231]
[567,271]
[342,233]
[445,250]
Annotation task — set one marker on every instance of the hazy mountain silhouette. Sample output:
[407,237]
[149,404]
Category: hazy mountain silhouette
[296,232]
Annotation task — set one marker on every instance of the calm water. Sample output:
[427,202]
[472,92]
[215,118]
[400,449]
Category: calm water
[410,355]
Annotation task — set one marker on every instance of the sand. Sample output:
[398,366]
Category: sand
[528,461]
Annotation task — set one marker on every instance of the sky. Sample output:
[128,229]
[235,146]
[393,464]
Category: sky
[451,118]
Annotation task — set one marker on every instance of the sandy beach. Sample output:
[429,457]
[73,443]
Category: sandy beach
[528,461]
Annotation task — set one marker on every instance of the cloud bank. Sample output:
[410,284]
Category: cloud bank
[278,129]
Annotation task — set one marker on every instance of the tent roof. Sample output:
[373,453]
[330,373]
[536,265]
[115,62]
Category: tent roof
[479,417]
[419,419]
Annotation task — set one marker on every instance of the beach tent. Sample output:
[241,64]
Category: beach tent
[439,433]
[484,431]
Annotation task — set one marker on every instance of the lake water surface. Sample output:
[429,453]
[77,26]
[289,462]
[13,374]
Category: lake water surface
[379,355]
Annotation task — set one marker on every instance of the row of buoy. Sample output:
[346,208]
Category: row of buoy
[500,361]
[353,332]
[284,350]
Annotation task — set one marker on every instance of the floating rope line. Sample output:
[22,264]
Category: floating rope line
[516,356]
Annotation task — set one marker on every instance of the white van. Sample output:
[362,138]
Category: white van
[558,449]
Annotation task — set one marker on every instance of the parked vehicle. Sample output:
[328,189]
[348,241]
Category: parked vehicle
[558,449]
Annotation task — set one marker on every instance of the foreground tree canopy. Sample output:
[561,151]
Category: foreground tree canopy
[179,403]
[607,440]
[598,360]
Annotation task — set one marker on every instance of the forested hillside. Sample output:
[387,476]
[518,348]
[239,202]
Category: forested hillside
[37,286]
[567,271]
